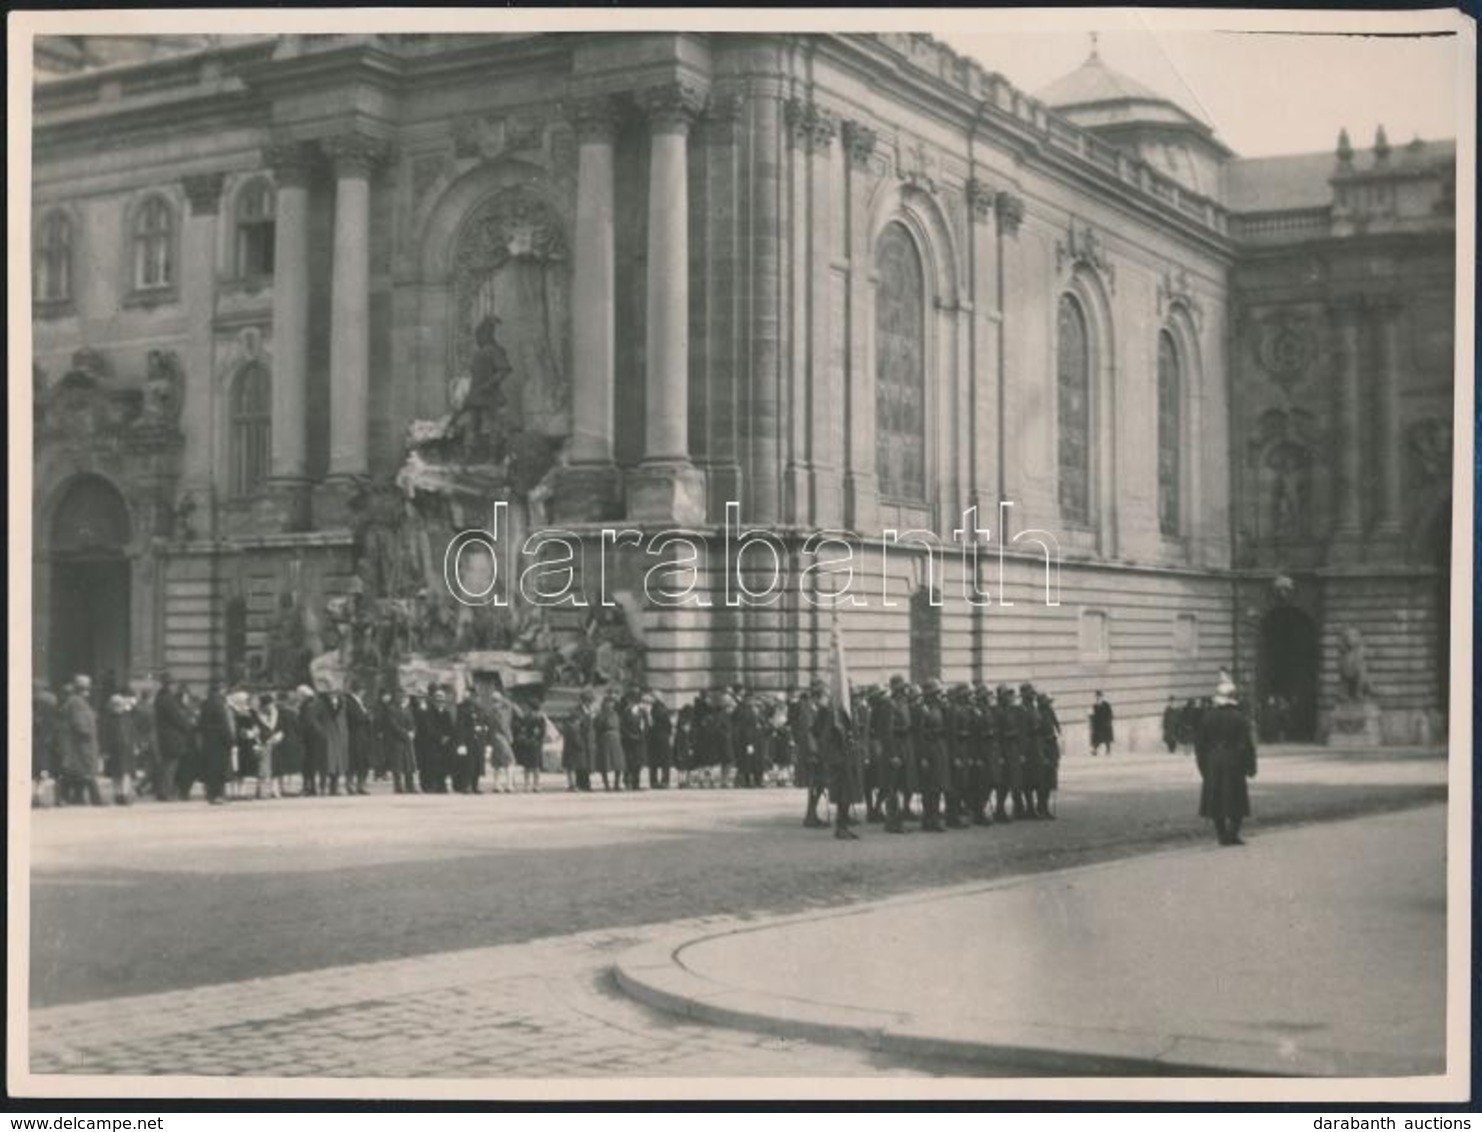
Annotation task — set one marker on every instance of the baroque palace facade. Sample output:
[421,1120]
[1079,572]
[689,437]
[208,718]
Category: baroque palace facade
[850,283]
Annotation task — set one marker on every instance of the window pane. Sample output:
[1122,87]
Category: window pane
[900,376]
[1169,454]
[1074,404]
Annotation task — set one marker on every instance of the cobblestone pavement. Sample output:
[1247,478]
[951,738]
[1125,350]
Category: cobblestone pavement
[544,1010]
[453,936]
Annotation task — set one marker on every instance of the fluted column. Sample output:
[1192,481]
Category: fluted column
[1347,526]
[289,450]
[861,490]
[667,485]
[198,295]
[1391,487]
[354,157]
[587,489]
[592,296]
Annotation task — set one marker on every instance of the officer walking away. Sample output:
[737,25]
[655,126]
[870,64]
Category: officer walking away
[1170,725]
[1227,757]
[1101,725]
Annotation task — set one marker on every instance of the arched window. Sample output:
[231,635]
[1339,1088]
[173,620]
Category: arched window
[900,367]
[1170,455]
[153,247]
[251,426]
[255,229]
[53,266]
[1073,400]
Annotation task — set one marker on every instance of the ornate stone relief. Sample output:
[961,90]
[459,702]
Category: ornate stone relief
[1284,447]
[1082,247]
[859,143]
[1429,444]
[916,165]
[1286,346]
[1010,210]
[808,125]
[1176,290]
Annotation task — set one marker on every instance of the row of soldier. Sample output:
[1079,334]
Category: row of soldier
[972,756]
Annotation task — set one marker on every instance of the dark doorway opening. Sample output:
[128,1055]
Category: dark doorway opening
[89,568]
[90,619]
[1288,674]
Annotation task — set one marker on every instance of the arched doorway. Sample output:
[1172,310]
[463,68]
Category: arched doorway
[89,616]
[1288,670]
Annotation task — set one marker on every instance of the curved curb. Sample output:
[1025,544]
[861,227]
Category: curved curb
[654,975]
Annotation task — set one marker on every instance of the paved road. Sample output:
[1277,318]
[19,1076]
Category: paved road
[158,898]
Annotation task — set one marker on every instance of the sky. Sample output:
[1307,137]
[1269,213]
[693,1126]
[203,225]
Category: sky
[1263,93]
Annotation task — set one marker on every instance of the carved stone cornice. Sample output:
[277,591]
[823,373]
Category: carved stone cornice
[1009,208]
[722,119]
[290,162]
[1082,247]
[859,143]
[981,199]
[809,126]
[672,107]
[203,191]
[594,118]
[354,154]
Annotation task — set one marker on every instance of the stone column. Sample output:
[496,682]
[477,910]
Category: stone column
[1347,316]
[199,417]
[354,157]
[1390,445]
[587,489]
[667,486]
[288,467]
[861,490]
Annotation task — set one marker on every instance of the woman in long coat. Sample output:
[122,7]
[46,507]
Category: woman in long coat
[1226,756]
[610,744]
[120,748]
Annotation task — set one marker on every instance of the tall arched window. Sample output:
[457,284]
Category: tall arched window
[153,247]
[53,265]
[251,427]
[1073,400]
[900,367]
[255,210]
[1170,455]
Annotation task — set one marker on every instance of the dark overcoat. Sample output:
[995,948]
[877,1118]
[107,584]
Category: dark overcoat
[1226,757]
[79,734]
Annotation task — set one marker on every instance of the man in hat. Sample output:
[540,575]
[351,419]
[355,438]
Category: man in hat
[1008,776]
[832,738]
[172,734]
[359,740]
[805,727]
[959,713]
[218,734]
[1031,754]
[899,763]
[1101,725]
[472,737]
[660,742]
[930,734]
[1170,725]
[79,733]
[1226,756]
